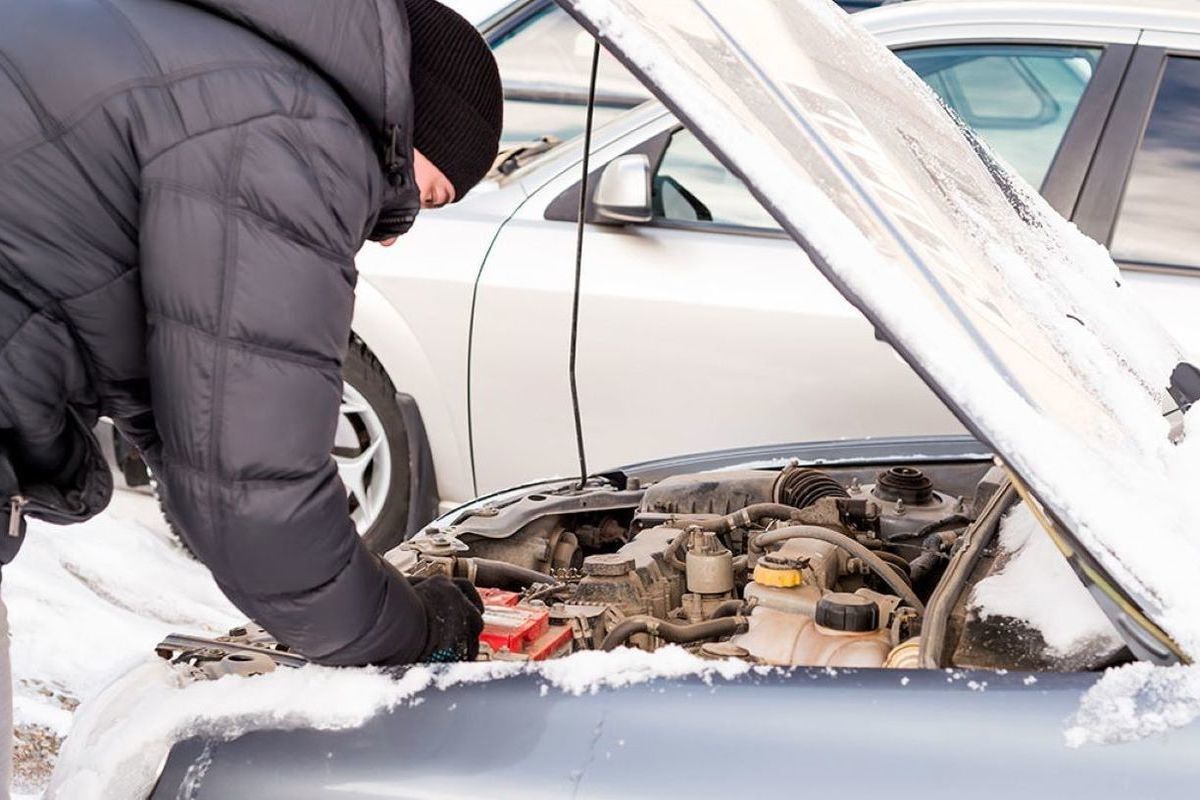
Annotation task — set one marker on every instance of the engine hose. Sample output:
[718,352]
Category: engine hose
[493,574]
[877,564]
[732,608]
[671,554]
[898,562]
[742,518]
[676,634]
[931,556]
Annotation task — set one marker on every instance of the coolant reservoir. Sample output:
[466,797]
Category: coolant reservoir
[846,632]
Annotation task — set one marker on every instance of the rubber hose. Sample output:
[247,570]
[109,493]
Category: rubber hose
[730,608]
[741,518]
[898,562]
[676,634]
[671,554]
[878,565]
[931,556]
[501,575]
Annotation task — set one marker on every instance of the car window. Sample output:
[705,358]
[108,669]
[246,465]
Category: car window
[692,186]
[1019,98]
[545,64]
[1157,222]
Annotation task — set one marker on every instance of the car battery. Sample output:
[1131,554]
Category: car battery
[516,631]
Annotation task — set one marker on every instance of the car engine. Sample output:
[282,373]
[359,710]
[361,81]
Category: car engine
[782,567]
[863,566]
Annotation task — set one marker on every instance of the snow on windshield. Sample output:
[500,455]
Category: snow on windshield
[1037,587]
[1016,316]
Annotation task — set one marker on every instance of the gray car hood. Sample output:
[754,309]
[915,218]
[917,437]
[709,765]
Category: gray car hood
[1012,316]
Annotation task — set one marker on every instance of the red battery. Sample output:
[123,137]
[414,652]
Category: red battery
[520,630]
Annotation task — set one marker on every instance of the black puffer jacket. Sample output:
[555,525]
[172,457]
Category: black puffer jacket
[183,188]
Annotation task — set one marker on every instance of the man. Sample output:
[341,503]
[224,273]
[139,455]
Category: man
[183,189]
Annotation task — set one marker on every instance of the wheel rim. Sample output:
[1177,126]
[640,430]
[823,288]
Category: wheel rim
[363,458]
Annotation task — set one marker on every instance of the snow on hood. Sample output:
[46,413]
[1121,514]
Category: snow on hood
[121,739]
[1006,310]
[1135,701]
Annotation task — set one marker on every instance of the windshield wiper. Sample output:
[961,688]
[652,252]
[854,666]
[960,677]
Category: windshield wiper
[513,158]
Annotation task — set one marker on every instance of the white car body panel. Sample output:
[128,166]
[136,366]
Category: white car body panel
[414,313]
[680,352]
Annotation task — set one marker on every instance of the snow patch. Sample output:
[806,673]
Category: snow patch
[119,742]
[1135,701]
[122,737]
[87,601]
[590,671]
[1038,587]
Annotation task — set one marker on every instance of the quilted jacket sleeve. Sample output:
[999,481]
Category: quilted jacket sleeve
[248,236]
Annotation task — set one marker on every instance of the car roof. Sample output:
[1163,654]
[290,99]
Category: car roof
[1171,15]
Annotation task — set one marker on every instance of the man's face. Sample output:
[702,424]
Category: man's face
[436,189]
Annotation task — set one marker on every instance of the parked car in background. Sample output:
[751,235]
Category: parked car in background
[937,614]
[545,61]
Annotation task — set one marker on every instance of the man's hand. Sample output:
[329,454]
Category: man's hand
[453,616]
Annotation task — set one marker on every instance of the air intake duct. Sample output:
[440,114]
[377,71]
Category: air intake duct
[803,486]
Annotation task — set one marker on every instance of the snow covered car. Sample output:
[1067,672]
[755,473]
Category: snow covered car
[912,617]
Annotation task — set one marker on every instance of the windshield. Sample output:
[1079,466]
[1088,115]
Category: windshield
[545,63]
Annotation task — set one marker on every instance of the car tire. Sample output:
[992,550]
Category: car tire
[372,427]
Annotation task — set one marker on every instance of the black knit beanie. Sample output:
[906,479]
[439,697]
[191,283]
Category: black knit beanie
[458,102]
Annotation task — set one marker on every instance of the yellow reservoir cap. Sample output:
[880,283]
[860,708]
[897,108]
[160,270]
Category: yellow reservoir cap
[784,578]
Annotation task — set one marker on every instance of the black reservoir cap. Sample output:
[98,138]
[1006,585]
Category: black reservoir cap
[842,611]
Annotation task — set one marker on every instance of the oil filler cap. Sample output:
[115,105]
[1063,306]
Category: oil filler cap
[842,611]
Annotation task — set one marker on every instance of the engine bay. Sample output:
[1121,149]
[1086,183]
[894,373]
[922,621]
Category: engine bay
[863,566]
[790,567]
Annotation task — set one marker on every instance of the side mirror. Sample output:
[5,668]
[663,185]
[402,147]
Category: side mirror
[623,192]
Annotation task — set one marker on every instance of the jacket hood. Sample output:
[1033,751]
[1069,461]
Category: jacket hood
[363,48]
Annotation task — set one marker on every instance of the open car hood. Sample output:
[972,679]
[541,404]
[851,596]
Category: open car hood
[1012,316]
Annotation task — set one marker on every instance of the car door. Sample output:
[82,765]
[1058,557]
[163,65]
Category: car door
[704,329]
[1039,104]
[1139,196]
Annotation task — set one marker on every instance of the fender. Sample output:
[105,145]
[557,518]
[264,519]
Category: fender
[389,337]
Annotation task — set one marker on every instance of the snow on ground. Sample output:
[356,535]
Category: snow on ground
[84,604]
[1037,586]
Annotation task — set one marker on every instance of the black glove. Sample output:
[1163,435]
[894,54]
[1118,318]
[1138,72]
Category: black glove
[453,618]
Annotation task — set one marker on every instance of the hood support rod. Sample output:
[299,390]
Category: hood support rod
[580,224]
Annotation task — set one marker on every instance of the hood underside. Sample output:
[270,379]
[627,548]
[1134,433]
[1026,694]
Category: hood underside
[1012,316]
